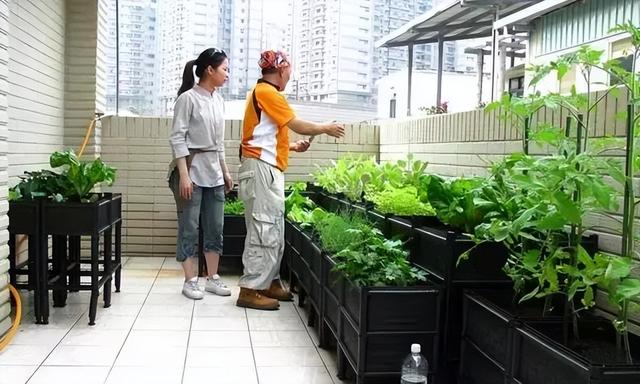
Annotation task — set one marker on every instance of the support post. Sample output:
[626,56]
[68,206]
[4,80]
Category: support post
[409,80]
[440,65]
[480,69]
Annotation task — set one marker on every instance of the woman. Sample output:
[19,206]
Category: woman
[199,176]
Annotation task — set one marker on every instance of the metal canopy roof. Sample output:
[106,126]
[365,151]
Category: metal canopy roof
[453,20]
[526,15]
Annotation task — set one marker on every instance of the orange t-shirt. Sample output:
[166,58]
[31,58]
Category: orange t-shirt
[265,134]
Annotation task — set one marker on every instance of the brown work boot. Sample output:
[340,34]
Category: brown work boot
[278,291]
[250,298]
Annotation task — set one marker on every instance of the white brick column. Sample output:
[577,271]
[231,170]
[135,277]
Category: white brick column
[5,307]
[85,73]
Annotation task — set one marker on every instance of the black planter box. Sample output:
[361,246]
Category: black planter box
[392,308]
[439,250]
[315,293]
[518,349]
[231,264]
[379,220]
[328,201]
[66,222]
[358,209]
[116,206]
[378,325]
[312,188]
[539,344]
[300,269]
[315,259]
[343,206]
[306,248]
[232,245]
[76,218]
[332,280]
[289,231]
[331,312]
[489,317]
[315,272]
[399,228]
[486,342]
[321,198]
[234,225]
[333,287]
[296,237]
[24,216]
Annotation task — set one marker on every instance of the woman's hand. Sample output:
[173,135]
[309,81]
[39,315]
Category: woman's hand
[228,182]
[186,187]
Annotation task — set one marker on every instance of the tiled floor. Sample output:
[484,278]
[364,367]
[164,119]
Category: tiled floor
[152,334]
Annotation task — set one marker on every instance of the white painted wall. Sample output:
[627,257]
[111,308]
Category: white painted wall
[84,75]
[5,307]
[35,98]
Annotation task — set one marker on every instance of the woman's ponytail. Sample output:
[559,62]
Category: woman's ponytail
[187,77]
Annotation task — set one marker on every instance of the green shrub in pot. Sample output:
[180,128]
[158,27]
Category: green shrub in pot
[74,182]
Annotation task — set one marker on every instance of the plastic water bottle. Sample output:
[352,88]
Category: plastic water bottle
[415,367]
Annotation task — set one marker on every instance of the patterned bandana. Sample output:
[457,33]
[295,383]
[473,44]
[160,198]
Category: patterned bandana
[273,59]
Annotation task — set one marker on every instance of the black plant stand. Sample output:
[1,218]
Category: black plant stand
[25,218]
[67,223]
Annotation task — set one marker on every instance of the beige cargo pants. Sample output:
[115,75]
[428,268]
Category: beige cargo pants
[261,188]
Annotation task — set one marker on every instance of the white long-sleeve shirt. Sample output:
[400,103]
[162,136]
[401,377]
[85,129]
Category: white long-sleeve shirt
[198,132]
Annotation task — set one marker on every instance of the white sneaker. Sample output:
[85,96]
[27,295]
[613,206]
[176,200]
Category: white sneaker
[215,285]
[192,290]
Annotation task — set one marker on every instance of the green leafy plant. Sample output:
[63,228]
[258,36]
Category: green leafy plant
[300,209]
[375,261]
[38,185]
[334,230]
[75,182]
[348,175]
[622,285]
[295,198]
[545,196]
[82,176]
[358,177]
[540,193]
[457,202]
[402,201]
[234,207]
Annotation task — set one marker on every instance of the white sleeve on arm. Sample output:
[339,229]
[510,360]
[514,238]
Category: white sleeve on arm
[181,116]
[221,153]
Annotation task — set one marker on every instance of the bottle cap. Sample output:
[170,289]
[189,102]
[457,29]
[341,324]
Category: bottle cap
[415,348]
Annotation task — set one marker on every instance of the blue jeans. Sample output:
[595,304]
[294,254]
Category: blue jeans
[205,207]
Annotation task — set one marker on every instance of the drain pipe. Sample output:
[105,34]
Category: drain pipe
[6,339]
[90,127]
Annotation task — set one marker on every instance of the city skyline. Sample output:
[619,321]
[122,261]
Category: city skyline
[331,45]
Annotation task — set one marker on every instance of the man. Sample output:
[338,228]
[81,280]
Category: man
[265,155]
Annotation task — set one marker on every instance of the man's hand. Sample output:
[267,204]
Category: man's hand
[300,146]
[228,182]
[334,130]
